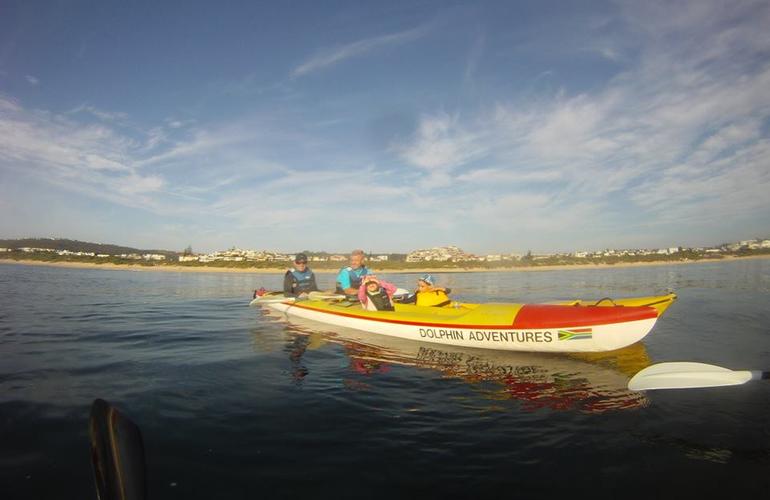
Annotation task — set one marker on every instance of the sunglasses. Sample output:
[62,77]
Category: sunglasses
[300,262]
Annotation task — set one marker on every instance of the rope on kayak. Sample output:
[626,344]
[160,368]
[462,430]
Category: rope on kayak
[662,301]
[606,298]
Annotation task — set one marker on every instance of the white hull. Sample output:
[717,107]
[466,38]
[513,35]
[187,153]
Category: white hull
[595,338]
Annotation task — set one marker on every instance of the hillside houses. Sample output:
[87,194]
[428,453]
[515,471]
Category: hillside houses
[439,254]
[444,254]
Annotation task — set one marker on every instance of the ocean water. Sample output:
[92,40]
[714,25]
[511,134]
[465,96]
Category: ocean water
[234,402]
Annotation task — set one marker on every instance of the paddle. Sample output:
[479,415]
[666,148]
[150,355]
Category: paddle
[269,297]
[325,296]
[117,454]
[262,296]
[688,375]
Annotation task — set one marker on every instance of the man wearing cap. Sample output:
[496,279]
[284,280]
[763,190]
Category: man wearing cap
[299,280]
[349,278]
[428,294]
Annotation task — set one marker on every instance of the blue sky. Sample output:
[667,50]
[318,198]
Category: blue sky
[494,126]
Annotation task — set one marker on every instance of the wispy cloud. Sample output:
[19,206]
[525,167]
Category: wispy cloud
[669,137]
[501,176]
[441,142]
[108,116]
[86,158]
[333,55]
[31,80]
[472,61]
[216,171]
[680,135]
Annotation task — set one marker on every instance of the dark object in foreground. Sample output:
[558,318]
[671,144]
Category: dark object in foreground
[117,454]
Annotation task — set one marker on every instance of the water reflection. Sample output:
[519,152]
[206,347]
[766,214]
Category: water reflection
[585,382]
[690,449]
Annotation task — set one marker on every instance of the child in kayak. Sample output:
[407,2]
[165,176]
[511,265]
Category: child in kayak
[428,294]
[375,294]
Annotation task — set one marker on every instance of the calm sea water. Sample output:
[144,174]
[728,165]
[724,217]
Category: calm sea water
[237,403]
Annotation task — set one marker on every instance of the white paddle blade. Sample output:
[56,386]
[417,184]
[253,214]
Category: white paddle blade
[686,376]
[400,293]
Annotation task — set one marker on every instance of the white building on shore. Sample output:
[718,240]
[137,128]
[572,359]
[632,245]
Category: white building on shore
[439,254]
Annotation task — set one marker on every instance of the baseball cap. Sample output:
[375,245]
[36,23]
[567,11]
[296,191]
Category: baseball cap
[301,257]
[427,278]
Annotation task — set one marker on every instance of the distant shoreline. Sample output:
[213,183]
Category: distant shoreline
[435,270]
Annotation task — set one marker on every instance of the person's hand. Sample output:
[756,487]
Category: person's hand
[303,295]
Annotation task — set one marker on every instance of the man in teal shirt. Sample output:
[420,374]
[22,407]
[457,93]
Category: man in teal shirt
[349,278]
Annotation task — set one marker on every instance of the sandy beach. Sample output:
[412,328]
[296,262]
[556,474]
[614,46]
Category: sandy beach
[189,269]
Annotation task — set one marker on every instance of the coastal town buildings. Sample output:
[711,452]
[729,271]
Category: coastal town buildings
[439,254]
[436,254]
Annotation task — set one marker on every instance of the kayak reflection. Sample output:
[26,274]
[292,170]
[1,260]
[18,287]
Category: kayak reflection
[585,382]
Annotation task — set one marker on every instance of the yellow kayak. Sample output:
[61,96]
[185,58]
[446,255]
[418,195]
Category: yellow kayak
[570,326]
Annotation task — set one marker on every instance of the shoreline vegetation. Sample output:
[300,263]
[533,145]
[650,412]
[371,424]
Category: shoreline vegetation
[377,267]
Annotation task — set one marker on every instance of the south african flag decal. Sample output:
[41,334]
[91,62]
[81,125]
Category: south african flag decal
[575,334]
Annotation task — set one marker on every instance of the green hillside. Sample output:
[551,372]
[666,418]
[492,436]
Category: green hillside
[77,246]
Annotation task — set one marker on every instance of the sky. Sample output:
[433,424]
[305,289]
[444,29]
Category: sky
[391,126]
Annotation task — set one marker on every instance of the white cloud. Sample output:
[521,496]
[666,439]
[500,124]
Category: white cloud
[203,141]
[85,158]
[334,55]
[441,143]
[502,176]
[678,135]
[214,173]
[472,61]
[134,183]
[676,139]
[31,80]
[107,116]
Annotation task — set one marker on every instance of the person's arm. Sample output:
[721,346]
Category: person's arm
[362,298]
[390,288]
[349,289]
[409,299]
[343,282]
[288,284]
[313,285]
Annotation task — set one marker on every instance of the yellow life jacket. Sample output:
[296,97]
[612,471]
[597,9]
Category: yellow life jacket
[436,298]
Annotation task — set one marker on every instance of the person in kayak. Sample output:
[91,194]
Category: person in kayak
[428,294]
[299,280]
[349,278]
[376,294]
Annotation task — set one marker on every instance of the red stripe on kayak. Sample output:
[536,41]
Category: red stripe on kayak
[536,316]
[555,316]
